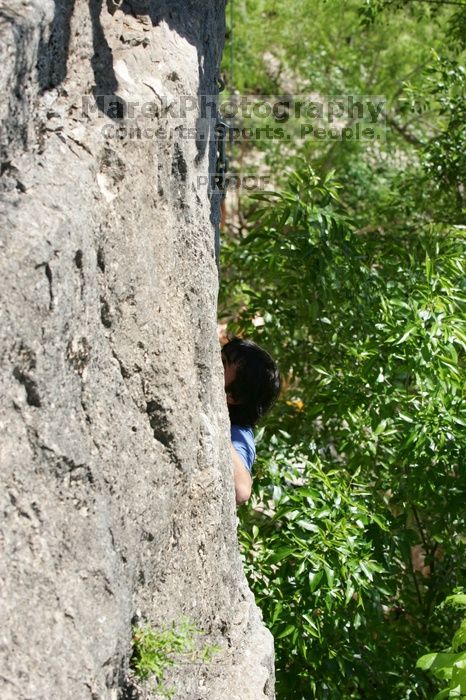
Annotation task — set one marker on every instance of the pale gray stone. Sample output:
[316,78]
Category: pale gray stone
[117,495]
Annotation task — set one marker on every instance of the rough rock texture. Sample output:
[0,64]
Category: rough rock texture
[117,492]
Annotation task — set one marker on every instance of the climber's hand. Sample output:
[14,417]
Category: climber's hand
[243,480]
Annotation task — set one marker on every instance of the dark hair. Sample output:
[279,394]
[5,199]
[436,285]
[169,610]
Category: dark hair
[256,385]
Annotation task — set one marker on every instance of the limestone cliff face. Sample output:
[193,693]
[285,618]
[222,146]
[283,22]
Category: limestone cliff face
[117,492]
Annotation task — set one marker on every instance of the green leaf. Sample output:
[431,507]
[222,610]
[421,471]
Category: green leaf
[406,335]
[289,629]
[405,417]
[281,553]
[440,662]
[314,579]
[459,638]
[330,574]
[428,268]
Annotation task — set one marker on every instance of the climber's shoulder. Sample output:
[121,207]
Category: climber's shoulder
[242,439]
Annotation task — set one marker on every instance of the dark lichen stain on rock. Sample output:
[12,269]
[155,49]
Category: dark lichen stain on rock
[32,392]
[78,354]
[179,166]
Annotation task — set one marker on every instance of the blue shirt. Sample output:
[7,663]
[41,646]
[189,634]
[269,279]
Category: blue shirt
[242,438]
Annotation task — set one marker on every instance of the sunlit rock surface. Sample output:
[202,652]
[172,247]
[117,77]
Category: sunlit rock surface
[117,496]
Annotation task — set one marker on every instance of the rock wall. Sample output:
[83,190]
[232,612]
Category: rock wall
[117,497]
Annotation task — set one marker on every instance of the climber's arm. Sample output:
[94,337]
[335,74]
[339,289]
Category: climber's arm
[243,480]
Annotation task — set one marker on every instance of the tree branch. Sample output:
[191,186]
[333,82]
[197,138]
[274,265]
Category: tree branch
[402,130]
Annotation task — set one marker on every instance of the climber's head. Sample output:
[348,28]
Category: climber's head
[252,381]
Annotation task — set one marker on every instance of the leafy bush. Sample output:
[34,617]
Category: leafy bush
[371,334]
[450,665]
[351,272]
[309,557]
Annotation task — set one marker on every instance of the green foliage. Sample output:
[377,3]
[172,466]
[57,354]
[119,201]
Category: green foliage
[373,338]
[450,665]
[351,272]
[444,156]
[155,651]
[411,53]
[309,555]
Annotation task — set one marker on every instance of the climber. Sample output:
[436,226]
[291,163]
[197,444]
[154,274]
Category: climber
[252,385]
